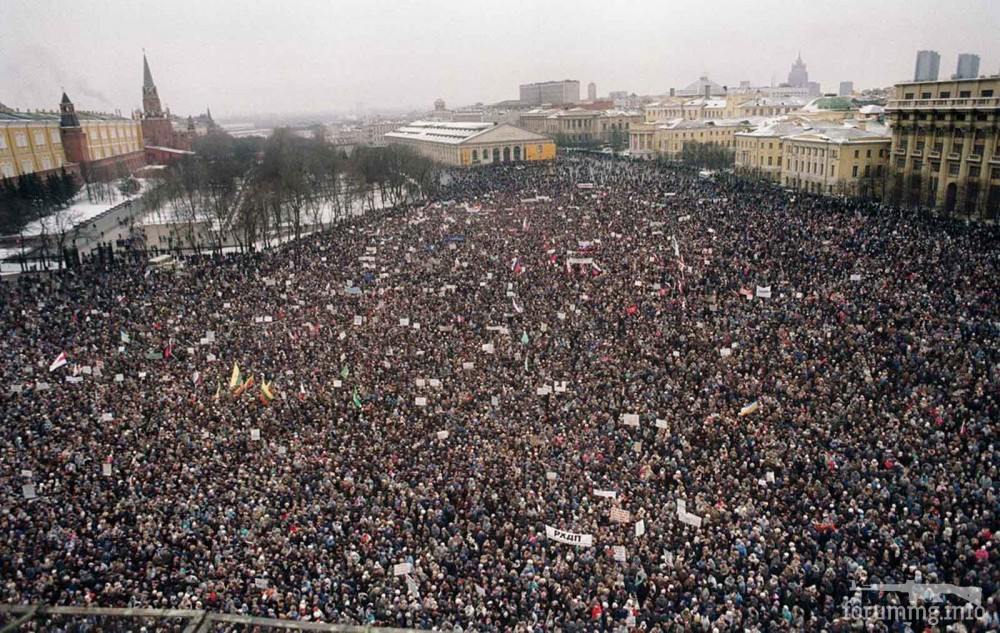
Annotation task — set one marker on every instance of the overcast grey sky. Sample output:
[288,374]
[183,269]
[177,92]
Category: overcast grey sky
[301,56]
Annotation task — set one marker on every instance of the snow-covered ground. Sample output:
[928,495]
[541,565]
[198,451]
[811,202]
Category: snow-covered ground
[82,210]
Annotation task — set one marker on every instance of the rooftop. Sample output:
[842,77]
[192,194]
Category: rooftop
[47,116]
[450,132]
[841,135]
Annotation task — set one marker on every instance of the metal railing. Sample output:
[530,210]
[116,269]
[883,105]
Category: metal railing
[40,617]
[946,104]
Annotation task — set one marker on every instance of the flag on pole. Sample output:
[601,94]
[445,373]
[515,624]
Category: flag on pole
[58,362]
[266,395]
[345,372]
[356,399]
[244,387]
[235,380]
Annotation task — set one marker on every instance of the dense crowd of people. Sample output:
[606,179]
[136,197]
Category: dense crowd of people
[814,379]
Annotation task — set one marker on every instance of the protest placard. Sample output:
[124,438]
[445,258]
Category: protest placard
[618,515]
[607,494]
[764,292]
[442,435]
[401,569]
[619,552]
[640,528]
[254,434]
[569,538]
[421,401]
[630,419]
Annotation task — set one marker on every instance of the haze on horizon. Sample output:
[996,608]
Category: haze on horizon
[315,56]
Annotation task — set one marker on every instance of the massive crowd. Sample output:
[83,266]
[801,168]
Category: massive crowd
[451,379]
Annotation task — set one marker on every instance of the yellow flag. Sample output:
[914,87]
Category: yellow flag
[265,390]
[234,380]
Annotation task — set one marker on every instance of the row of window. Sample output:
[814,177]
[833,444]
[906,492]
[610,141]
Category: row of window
[28,166]
[986,93]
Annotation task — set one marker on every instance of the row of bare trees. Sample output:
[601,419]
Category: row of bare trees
[251,192]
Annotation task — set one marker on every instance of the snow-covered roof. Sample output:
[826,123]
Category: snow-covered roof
[774,101]
[841,135]
[778,128]
[448,132]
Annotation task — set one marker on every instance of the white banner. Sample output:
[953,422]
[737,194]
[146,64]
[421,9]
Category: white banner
[570,538]
[610,494]
[400,569]
[764,292]
[630,419]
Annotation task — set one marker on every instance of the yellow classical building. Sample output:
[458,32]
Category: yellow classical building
[730,106]
[668,139]
[29,144]
[92,143]
[836,161]
[580,125]
[474,143]
[759,151]
[946,146]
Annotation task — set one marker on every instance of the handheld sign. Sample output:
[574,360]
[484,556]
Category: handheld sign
[569,538]
[619,551]
[401,569]
[630,419]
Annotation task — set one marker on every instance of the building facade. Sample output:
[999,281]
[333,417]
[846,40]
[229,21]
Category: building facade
[945,153]
[968,67]
[846,89]
[733,105]
[591,91]
[928,65]
[667,140]
[562,92]
[471,144]
[96,146]
[836,161]
[580,126]
[759,151]
[29,144]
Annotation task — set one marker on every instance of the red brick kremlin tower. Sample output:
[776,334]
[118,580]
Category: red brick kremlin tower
[157,130]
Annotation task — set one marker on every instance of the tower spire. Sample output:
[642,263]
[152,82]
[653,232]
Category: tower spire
[150,99]
[147,77]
